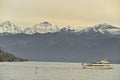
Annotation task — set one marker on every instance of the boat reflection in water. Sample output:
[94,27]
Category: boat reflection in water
[103,64]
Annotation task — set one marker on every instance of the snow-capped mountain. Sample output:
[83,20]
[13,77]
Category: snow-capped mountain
[8,27]
[66,44]
[103,29]
[46,27]
[43,27]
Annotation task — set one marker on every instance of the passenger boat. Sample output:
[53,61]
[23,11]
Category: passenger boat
[103,64]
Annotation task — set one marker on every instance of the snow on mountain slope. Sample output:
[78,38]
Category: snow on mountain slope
[103,29]
[43,27]
[8,27]
[46,27]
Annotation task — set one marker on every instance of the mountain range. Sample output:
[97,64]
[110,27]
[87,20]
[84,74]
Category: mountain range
[43,27]
[48,42]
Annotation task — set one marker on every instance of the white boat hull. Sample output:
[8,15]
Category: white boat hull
[97,67]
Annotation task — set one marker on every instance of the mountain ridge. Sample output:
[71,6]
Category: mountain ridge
[66,45]
[46,27]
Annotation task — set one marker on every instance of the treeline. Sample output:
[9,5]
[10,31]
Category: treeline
[7,57]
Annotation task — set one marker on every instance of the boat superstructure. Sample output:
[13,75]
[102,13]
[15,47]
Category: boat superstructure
[103,64]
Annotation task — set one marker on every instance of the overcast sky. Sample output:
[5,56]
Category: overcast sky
[81,13]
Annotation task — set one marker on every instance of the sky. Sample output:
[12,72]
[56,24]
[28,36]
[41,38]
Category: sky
[76,13]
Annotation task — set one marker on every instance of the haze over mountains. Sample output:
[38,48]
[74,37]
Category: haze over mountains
[47,42]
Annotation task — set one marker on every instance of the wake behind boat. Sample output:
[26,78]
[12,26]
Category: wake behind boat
[103,64]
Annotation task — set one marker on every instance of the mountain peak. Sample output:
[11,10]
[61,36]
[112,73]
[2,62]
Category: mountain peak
[45,24]
[103,29]
[6,23]
[8,27]
[105,26]
[43,27]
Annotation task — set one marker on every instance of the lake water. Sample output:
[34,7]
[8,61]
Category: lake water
[54,71]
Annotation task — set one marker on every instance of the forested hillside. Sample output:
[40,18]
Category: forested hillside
[4,56]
